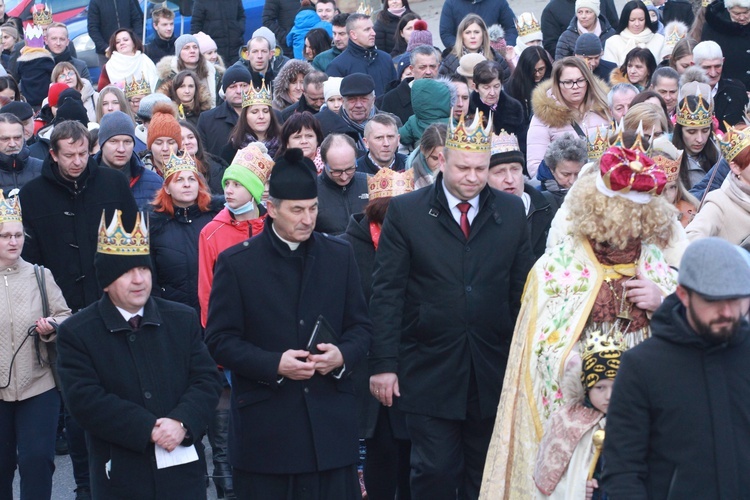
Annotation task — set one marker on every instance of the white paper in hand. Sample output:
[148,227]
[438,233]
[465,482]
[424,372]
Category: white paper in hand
[179,456]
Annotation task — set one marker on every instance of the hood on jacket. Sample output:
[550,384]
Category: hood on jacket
[554,113]
[431,99]
[285,77]
[31,54]
[305,20]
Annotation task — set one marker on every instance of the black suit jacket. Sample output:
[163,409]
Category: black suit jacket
[265,300]
[398,101]
[215,125]
[443,306]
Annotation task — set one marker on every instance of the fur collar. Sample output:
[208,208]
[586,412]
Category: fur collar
[616,77]
[552,112]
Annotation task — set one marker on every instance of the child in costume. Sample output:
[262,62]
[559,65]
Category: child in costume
[574,435]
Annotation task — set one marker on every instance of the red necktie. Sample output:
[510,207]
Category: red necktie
[464,207]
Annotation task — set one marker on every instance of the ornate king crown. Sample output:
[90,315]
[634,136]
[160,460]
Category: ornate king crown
[527,24]
[504,143]
[387,183]
[254,157]
[599,144]
[733,142]
[257,96]
[10,209]
[137,87]
[34,36]
[473,138]
[701,116]
[178,163]
[600,357]
[114,240]
[616,140]
[41,14]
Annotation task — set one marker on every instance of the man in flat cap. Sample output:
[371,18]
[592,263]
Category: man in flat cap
[679,419]
[293,430]
[358,91]
[138,378]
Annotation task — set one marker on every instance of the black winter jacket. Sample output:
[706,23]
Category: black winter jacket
[734,40]
[366,165]
[385,30]
[373,62]
[398,101]
[567,43]
[678,424]
[730,101]
[158,48]
[18,169]
[215,125]
[174,251]
[61,219]
[336,204]
[539,219]
[107,16]
[556,17]
[224,21]
[278,16]
[508,116]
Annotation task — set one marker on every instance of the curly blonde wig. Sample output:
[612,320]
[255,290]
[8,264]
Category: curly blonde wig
[617,221]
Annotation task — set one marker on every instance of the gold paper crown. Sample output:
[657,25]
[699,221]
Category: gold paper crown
[663,152]
[670,167]
[504,143]
[41,14]
[706,3]
[701,116]
[179,163]
[114,240]
[473,138]
[733,142]
[257,96]
[599,145]
[364,9]
[600,357]
[648,3]
[674,33]
[388,183]
[255,158]
[10,209]
[618,142]
[137,87]
[527,24]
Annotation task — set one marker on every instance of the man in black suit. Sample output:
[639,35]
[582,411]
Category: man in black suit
[449,273]
[293,431]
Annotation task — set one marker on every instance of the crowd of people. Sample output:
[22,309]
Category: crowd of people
[364,267]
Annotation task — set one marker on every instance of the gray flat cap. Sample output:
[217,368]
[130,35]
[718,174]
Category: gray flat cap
[715,269]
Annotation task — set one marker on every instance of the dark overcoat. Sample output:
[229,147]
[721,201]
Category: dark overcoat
[441,305]
[265,300]
[215,125]
[117,382]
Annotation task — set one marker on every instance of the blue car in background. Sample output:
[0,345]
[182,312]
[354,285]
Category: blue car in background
[74,13]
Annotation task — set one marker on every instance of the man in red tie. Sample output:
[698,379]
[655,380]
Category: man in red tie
[449,273]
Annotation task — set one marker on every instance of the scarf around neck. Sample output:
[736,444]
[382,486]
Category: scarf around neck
[596,31]
[121,67]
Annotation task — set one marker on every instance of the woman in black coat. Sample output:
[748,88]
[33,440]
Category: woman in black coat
[224,22]
[387,22]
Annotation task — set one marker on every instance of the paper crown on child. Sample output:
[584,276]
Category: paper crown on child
[388,183]
[733,142]
[179,163]
[257,96]
[115,240]
[667,156]
[600,358]
[41,14]
[527,24]
[597,144]
[474,138]
[137,87]
[34,36]
[10,209]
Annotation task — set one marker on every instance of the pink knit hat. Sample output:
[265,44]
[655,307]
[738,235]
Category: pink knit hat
[420,35]
[205,42]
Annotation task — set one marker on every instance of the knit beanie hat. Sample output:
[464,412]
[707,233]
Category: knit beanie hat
[251,167]
[147,104]
[53,94]
[332,87]
[588,4]
[22,110]
[183,40]
[588,44]
[115,123]
[205,42]
[235,74]
[164,124]
[497,38]
[293,177]
[70,107]
[420,35]
[267,34]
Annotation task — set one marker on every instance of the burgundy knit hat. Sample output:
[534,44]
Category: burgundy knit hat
[420,35]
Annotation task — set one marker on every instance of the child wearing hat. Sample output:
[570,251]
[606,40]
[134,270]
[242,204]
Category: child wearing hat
[568,459]
[164,137]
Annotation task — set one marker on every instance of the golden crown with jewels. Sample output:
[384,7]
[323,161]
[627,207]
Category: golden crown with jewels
[137,87]
[599,144]
[527,23]
[41,14]
[616,140]
[600,357]
[667,156]
[701,116]
[179,163]
[255,158]
[388,183]
[733,142]
[504,143]
[257,96]
[474,138]
[10,209]
[115,240]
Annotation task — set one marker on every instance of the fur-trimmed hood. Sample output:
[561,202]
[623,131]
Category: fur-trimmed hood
[617,77]
[286,75]
[31,53]
[554,113]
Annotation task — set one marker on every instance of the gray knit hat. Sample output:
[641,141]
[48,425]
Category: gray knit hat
[715,269]
[183,40]
[588,44]
[147,104]
[115,123]
[267,34]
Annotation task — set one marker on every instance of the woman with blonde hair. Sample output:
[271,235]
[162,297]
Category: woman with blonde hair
[573,100]
[647,117]
[65,72]
[112,99]
[472,38]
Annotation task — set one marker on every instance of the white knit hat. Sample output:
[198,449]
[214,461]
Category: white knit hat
[332,87]
[588,4]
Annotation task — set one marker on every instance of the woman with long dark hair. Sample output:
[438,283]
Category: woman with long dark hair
[316,42]
[126,61]
[635,30]
[637,69]
[534,66]
[188,56]
[188,94]
[406,26]
[257,123]
[387,23]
